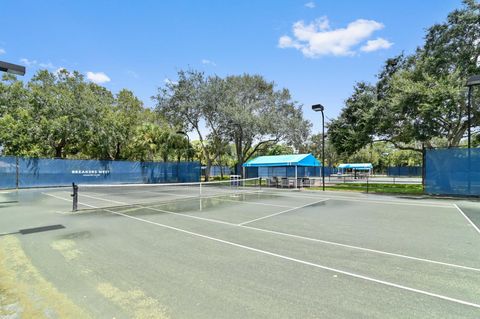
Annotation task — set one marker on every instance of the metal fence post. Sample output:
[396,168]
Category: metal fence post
[17,174]
[423,166]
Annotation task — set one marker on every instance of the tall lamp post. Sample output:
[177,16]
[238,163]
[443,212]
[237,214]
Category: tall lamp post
[320,108]
[471,82]
[188,146]
[18,70]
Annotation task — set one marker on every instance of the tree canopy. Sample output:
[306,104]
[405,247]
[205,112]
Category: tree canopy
[244,110]
[421,98]
[62,115]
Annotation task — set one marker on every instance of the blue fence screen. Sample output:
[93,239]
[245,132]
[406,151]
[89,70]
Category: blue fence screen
[404,171]
[217,170]
[39,172]
[8,172]
[452,172]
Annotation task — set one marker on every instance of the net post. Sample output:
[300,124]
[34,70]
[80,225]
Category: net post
[75,197]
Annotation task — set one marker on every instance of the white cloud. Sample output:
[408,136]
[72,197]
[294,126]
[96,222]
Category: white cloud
[98,77]
[318,39]
[377,44]
[310,4]
[2,51]
[208,62]
[48,65]
[28,62]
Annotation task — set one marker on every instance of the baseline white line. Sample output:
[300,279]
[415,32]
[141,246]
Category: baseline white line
[68,200]
[282,212]
[468,219]
[362,248]
[345,198]
[343,272]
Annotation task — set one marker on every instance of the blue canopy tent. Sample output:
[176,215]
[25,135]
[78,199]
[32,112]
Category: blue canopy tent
[355,167]
[285,165]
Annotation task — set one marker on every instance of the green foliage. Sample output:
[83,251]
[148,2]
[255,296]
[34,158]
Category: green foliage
[420,98]
[244,110]
[62,115]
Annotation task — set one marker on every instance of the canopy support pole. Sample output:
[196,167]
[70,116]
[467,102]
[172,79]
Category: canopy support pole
[296,176]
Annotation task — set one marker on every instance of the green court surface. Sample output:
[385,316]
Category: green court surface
[259,254]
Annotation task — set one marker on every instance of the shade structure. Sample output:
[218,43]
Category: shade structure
[283,160]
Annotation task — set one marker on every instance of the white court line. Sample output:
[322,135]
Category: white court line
[345,198]
[189,216]
[282,212]
[254,203]
[363,249]
[468,219]
[265,252]
[105,199]
[68,200]
[301,237]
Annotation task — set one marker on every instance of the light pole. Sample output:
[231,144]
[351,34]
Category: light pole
[12,68]
[188,146]
[472,81]
[320,108]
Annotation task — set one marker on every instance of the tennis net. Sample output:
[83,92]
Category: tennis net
[89,196]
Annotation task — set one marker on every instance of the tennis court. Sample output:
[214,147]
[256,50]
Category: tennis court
[248,253]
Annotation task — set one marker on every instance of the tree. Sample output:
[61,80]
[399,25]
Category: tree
[64,106]
[245,110]
[254,115]
[314,146]
[19,132]
[182,104]
[418,99]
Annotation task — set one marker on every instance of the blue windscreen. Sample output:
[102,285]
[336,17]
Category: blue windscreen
[454,171]
[8,172]
[40,172]
[404,171]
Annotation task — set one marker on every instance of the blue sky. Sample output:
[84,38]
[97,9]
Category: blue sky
[316,49]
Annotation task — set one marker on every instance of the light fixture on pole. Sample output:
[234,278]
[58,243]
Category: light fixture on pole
[188,146]
[320,108]
[12,68]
